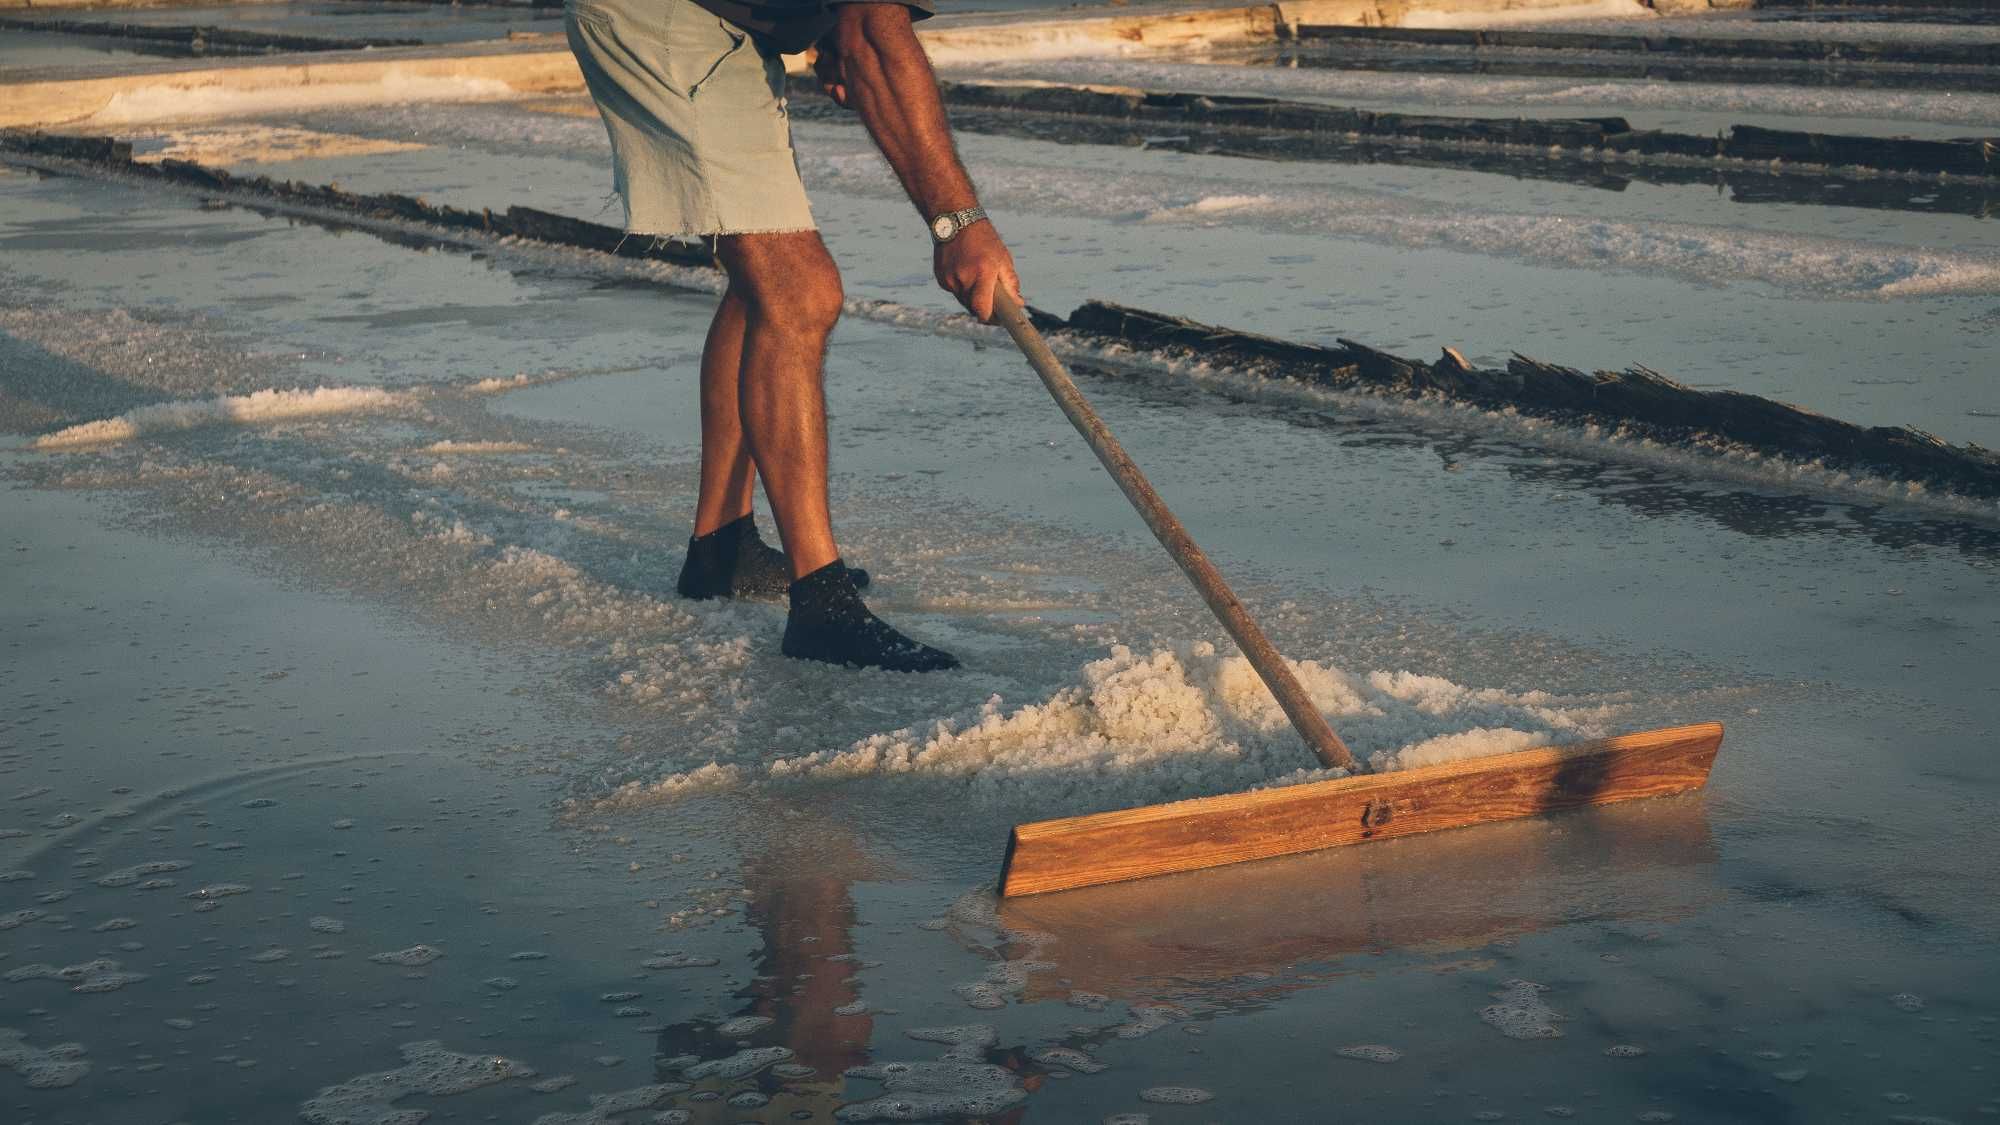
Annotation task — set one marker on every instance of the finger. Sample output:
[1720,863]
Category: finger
[980,303]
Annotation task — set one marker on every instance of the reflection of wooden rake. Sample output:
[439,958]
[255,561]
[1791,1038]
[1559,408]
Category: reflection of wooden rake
[1054,855]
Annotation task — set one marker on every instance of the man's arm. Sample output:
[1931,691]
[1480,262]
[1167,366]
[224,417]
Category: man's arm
[871,62]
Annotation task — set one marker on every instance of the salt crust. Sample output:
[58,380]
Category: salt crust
[279,405]
[256,407]
[170,102]
[1173,722]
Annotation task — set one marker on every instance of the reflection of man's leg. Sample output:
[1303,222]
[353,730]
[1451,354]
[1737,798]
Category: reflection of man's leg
[789,292]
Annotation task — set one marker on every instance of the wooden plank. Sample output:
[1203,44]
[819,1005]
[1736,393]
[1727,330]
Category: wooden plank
[1082,851]
[1638,863]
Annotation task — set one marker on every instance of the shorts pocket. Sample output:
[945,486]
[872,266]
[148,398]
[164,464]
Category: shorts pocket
[590,16]
[699,48]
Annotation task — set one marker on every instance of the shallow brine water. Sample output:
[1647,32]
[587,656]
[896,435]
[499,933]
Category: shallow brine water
[359,762]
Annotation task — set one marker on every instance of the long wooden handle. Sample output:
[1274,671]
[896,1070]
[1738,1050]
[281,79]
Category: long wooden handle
[1310,723]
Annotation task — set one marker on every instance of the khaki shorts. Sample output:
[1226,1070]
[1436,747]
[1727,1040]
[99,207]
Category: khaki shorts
[701,143]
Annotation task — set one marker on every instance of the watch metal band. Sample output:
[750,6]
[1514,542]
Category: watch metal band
[946,227]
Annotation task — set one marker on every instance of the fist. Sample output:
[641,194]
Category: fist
[972,265]
[831,74]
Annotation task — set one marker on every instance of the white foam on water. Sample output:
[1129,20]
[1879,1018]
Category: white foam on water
[743,1026]
[1521,1014]
[742,1064]
[1147,1019]
[42,1068]
[427,1069]
[413,957]
[922,1091]
[255,408]
[100,975]
[1069,1058]
[968,1042]
[605,1107]
[1370,1052]
[680,961]
[127,876]
[1175,1095]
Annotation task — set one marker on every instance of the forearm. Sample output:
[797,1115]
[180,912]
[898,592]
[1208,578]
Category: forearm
[890,84]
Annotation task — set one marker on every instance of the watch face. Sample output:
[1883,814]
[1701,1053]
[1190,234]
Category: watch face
[943,227]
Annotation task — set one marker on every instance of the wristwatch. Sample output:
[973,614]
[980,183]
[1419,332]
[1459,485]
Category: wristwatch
[945,227]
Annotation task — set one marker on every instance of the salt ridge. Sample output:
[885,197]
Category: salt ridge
[1173,723]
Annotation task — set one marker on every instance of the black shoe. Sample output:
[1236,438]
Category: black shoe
[829,623]
[734,562]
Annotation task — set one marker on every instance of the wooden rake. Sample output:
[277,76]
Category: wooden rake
[1054,855]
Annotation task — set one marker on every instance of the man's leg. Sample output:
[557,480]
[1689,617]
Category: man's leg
[726,470]
[790,293]
[726,556]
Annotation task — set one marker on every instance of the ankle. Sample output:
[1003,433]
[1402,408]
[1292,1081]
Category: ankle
[825,592]
[738,525]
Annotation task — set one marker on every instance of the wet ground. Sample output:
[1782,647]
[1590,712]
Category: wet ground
[339,724]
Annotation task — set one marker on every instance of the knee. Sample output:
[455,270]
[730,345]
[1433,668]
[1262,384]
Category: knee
[803,302]
[816,301]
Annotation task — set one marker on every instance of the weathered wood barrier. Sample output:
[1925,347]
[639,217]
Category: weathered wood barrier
[1701,46]
[1637,400]
[1739,181]
[1972,156]
[201,39]
[514,222]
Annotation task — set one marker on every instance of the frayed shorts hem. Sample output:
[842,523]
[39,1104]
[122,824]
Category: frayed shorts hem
[690,235]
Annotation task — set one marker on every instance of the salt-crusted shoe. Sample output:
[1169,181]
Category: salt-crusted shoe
[829,623]
[733,561]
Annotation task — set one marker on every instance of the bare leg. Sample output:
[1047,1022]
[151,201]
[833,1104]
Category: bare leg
[789,293]
[726,470]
